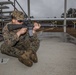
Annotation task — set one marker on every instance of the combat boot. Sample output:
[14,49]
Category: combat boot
[34,57]
[24,58]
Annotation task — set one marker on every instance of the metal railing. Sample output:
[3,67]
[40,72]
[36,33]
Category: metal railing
[15,8]
[13,3]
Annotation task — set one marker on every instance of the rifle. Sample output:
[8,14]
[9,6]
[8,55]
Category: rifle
[26,24]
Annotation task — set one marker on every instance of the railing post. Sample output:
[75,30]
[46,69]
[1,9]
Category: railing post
[65,9]
[14,4]
[21,7]
[1,18]
[28,2]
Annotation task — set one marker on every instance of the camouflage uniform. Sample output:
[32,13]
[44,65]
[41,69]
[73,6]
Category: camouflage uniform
[14,45]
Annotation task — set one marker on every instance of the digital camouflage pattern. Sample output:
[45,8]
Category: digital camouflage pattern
[23,47]
[15,46]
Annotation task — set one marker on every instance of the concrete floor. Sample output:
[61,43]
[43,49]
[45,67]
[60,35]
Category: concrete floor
[55,57]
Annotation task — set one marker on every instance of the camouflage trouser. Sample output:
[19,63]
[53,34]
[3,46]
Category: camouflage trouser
[18,49]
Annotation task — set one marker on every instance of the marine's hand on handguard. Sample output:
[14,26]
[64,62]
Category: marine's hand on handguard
[36,27]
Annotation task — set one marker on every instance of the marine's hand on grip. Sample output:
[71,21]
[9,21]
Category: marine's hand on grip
[21,31]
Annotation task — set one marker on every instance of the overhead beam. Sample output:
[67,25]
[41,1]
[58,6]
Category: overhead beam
[53,19]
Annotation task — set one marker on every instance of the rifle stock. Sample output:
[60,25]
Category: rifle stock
[12,27]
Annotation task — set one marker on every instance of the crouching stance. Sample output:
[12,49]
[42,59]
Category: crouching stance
[17,43]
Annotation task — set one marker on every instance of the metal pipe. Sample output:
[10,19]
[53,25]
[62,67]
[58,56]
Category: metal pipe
[65,9]
[28,2]
[14,5]
[21,7]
